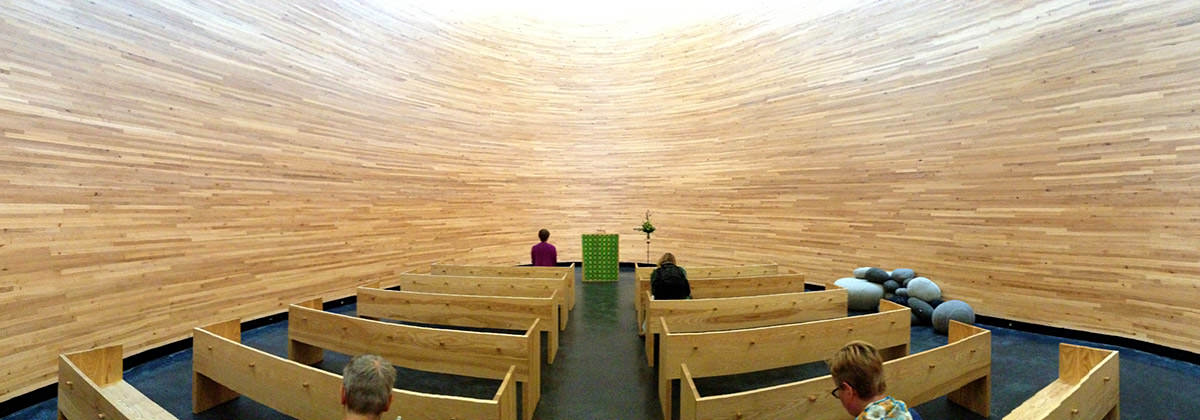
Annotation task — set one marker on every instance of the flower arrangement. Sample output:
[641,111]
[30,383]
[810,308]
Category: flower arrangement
[646,226]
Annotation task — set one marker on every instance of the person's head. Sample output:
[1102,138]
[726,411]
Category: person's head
[543,235]
[857,370]
[367,385]
[667,258]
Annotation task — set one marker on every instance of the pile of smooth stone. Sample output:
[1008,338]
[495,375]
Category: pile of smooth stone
[904,287]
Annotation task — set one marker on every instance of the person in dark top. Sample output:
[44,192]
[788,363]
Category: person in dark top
[544,254]
[669,281]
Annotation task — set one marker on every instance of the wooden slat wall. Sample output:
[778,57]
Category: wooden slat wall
[162,159]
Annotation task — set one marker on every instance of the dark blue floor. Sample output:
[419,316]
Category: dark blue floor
[601,372]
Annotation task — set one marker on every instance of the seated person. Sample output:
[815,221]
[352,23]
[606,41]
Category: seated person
[544,254]
[857,369]
[669,281]
[367,387]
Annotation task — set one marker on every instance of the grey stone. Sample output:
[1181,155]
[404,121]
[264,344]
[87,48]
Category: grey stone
[877,275]
[861,272]
[890,286]
[861,295]
[952,310]
[922,309]
[901,275]
[903,291]
[924,289]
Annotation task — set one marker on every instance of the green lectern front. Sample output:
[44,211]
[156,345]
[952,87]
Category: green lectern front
[601,257]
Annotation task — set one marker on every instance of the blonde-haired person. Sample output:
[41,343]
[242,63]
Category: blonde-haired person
[857,369]
[367,387]
[669,281]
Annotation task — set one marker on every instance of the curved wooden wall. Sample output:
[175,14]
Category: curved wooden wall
[166,165]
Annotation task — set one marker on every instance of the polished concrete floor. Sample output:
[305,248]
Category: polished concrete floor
[601,372]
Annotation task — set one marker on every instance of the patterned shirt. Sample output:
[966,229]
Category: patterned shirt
[886,409]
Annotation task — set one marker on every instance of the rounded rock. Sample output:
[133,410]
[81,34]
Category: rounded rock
[952,310]
[901,275]
[877,275]
[890,286]
[921,309]
[903,291]
[924,289]
[861,272]
[861,295]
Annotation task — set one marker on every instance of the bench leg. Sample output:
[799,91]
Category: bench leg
[664,395]
[975,396]
[304,353]
[650,339]
[207,393]
[551,344]
[1115,413]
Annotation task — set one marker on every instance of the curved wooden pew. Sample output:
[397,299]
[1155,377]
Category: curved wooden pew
[489,286]
[511,271]
[719,314]
[756,349]
[960,369]
[1087,388]
[466,353]
[724,287]
[223,368]
[90,386]
[501,312]
[641,277]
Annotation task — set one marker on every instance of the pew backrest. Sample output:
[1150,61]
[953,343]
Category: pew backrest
[961,370]
[542,287]
[498,312]
[457,352]
[756,349]
[512,271]
[723,287]
[720,314]
[223,368]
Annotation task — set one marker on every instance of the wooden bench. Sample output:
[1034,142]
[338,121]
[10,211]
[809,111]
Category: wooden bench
[961,369]
[719,314]
[466,353]
[489,286]
[500,312]
[722,287]
[1087,388]
[90,386]
[756,349]
[511,271]
[223,368]
[641,276]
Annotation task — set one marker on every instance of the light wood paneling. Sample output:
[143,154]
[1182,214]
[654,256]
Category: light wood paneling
[165,165]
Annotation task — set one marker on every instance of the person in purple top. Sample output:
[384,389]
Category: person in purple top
[544,254]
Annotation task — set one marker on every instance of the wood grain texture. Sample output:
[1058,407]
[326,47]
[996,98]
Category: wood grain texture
[90,386]
[1087,388]
[457,352]
[168,164]
[914,379]
[722,287]
[536,287]
[307,393]
[502,312]
[717,314]
[567,273]
[757,349]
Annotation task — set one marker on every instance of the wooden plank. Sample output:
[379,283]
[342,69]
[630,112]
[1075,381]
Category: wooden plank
[511,271]
[307,393]
[708,353]
[915,379]
[90,386]
[641,276]
[718,287]
[502,312]
[717,314]
[488,286]
[467,353]
[1088,388]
